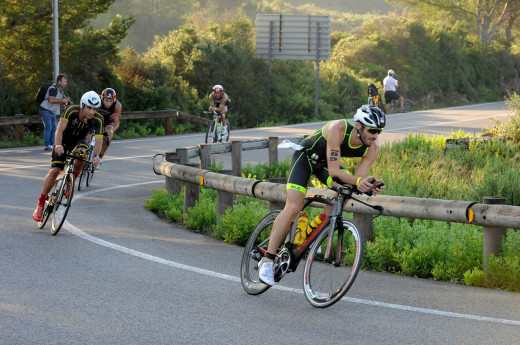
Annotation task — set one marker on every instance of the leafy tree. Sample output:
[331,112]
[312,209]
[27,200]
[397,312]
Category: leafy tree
[26,38]
[487,15]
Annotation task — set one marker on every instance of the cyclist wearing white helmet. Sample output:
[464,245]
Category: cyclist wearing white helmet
[391,85]
[220,102]
[70,136]
[321,155]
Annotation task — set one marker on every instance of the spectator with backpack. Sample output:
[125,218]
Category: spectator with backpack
[53,99]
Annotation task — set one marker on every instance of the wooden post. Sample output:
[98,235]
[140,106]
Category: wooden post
[274,205]
[236,157]
[191,193]
[224,199]
[205,156]
[19,132]
[168,123]
[273,150]
[183,156]
[492,235]
[366,221]
[172,185]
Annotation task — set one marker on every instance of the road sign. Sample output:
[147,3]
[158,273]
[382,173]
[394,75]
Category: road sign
[292,37]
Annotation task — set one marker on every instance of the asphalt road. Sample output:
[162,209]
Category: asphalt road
[118,274]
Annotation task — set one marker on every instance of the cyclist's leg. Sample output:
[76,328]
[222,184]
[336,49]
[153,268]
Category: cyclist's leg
[107,138]
[80,150]
[298,178]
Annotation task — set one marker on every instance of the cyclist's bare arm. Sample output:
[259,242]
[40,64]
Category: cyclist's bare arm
[117,116]
[58,137]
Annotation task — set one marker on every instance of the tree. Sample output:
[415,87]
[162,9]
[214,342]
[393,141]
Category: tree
[488,15]
[26,40]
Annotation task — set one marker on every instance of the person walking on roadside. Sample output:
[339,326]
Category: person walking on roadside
[54,98]
[391,85]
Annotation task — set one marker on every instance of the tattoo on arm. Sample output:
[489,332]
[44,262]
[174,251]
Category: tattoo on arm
[334,154]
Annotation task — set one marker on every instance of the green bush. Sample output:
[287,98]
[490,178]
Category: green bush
[236,224]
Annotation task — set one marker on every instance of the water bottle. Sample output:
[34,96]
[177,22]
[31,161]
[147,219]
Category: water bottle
[301,229]
[315,223]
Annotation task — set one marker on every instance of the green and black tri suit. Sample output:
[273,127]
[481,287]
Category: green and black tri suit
[76,132]
[313,158]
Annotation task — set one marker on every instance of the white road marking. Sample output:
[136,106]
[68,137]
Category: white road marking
[74,230]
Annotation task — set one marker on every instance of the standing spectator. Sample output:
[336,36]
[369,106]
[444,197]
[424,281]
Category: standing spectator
[54,98]
[391,85]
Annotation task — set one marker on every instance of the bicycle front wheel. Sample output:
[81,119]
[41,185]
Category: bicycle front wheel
[211,134]
[47,210]
[326,281]
[254,251]
[64,194]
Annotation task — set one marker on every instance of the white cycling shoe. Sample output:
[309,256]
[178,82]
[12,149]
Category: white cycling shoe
[266,272]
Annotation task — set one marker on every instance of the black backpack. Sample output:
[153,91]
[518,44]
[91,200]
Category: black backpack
[42,91]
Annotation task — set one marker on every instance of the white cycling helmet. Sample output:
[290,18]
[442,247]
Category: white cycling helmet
[218,88]
[91,99]
[391,72]
[370,116]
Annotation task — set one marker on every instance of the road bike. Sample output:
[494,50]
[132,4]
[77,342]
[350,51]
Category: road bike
[216,131]
[332,253]
[87,173]
[60,198]
[374,98]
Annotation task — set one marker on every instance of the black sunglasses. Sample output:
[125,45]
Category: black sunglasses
[373,130]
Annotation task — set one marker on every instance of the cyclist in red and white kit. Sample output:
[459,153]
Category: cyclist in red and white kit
[111,110]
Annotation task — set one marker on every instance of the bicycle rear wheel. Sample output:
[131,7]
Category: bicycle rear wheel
[254,251]
[211,134]
[83,176]
[90,173]
[64,194]
[326,281]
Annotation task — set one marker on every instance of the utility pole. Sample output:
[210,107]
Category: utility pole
[56,50]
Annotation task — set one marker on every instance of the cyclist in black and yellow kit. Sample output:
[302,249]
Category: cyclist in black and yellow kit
[71,133]
[321,155]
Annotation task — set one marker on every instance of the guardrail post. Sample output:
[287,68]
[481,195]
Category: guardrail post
[492,235]
[273,150]
[366,221]
[236,157]
[172,185]
[168,123]
[205,156]
[275,205]
[191,192]
[224,199]
[19,132]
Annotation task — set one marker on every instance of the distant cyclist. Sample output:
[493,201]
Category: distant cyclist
[71,133]
[219,101]
[111,110]
[321,155]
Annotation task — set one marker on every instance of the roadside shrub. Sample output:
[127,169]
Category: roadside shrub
[236,224]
